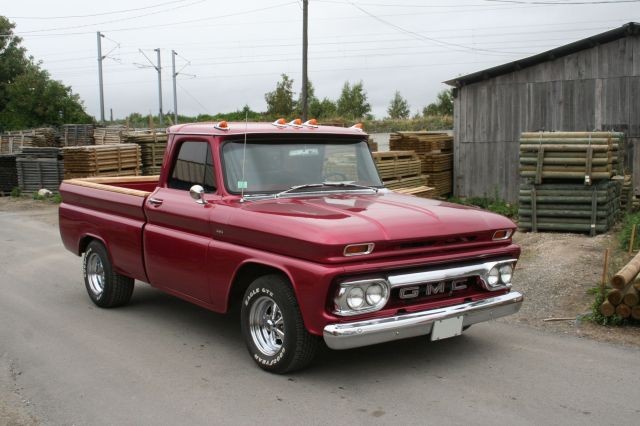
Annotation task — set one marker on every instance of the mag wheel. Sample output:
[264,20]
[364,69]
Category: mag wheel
[106,288]
[272,326]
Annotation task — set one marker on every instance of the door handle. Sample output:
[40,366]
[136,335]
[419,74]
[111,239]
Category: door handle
[156,202]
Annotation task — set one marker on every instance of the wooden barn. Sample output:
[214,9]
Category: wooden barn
[592,84]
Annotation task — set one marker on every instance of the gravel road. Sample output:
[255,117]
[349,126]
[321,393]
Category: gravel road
[163,361]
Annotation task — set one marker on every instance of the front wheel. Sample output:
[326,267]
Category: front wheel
[272,326]
[106,288]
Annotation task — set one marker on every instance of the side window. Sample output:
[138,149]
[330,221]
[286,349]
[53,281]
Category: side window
[193,166]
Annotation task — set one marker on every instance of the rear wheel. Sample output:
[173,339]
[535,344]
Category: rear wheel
[106,288]
[272,326]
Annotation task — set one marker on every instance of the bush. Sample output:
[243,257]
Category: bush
[495,205]
[16,192]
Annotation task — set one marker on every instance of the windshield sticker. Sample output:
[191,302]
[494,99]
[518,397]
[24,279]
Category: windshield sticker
[242,184]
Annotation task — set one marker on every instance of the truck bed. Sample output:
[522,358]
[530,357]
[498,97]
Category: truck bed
[110,209]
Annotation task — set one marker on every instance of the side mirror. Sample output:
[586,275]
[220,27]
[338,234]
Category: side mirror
[197,193]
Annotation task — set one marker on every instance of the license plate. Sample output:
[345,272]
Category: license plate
[443,329]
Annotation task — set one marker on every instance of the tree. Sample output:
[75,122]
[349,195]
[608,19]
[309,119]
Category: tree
[280,102]
[398,107]
[352,103]
[28,96]
[323,109]
[311,99]
[442,106]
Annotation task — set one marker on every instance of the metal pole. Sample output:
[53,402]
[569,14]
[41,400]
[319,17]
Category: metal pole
[159,69]
[101,88]
[175,93]
[305,41]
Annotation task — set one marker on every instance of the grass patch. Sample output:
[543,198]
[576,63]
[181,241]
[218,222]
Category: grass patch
[624,236]
[492,204]
[16,192]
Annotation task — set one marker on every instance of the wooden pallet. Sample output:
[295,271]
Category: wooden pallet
[437,162]
[76,134]
[108,135]
[419,191]
[397,164]
[102,160]
[406,182]
[421,142]
[153,145]
[8,173]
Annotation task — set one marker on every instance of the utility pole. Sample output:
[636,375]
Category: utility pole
[175,93]
[305,41]
[101,88]
[159,69]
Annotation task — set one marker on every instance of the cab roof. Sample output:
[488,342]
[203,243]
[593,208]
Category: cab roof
[239,128]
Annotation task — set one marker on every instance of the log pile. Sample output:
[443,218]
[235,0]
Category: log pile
[567,181]
[108,135]
[401,171]
[39,168]
[8,173]
[152,147]
[101,160]
[624,299]
[435,153]
[626,197]
[76,134]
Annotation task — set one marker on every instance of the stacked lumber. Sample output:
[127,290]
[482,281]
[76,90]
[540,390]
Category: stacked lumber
[419,191]
[101,160]
[567,181]
[108,135]
[435,153]
[39,168]
[569,207]
[373,146]
[152,147]
[626,197]
[76,134]
[8,173]
[570,155]
[624,299]
[397,164]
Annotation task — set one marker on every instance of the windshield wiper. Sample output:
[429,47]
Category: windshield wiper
[325,184]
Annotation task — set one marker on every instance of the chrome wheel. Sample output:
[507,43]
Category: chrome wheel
[266,325]
[95,274]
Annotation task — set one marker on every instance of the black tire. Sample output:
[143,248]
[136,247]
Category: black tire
[289,349]
[106,288]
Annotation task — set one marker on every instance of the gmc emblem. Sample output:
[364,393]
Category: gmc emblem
[432,289]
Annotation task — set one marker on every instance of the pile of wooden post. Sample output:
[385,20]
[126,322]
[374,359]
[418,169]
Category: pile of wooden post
[401,171]
[8,173]
[14,141]
[39,168]
[152,145]
[108,135]
[569,207]
[101,160]
[76,134]
[573,156]
[567,181]
[626,197]
[624,299]
[435,153]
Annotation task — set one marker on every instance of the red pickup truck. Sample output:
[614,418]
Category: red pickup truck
[291,223]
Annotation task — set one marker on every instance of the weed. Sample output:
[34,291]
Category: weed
[16,192]
[624,236]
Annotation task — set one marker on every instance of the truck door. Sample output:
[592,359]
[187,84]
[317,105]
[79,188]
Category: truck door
[178,231]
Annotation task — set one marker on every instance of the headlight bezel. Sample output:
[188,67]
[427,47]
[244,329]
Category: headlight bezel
[342,307]
[489,281]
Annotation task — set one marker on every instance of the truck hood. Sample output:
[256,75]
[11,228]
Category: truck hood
[318,228]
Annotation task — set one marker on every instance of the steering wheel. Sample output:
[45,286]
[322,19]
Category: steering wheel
[342,177]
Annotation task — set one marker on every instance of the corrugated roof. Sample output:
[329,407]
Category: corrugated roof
[629,29]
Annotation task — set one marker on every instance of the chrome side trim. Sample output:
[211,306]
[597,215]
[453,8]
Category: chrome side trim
[371,332]
[481,270]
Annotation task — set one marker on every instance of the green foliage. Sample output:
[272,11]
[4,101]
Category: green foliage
[16,192]
[442,106]
[28,95]
[624,236]
[352,104]
[280,101]
[595,314]
[493,204]
[398,107]
[322,109]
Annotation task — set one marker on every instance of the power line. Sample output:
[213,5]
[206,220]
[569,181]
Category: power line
[563,3]
[98,14]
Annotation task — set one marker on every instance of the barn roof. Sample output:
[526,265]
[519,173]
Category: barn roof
[629,29]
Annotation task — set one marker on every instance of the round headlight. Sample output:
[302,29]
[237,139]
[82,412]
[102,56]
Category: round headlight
[494,277]
[374,294]
[355,298]
[506,272]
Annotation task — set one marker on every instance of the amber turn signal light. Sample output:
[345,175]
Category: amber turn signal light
[358,249]
[502,234]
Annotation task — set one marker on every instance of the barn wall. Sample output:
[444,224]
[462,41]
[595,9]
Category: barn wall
[594,89]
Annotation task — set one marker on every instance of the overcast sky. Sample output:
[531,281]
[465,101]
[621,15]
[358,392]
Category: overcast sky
[231,53]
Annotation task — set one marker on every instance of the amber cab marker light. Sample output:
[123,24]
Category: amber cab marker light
[358,249]
[295,123]
[358,126]
[311,123]
[280,122]
[222,125]
[502,234]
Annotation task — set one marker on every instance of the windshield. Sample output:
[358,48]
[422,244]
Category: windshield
[272,166]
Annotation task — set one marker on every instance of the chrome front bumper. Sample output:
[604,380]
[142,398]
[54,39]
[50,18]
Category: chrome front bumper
[379,330]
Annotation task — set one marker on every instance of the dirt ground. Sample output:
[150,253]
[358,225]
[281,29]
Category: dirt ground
[554,273]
